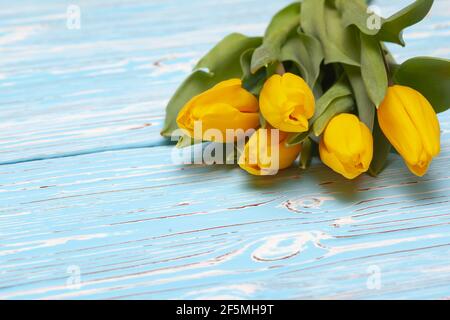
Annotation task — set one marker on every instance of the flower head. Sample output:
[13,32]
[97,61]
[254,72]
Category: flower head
[347,146]
[287,103]
[225,106]
[266,153]
[410,123]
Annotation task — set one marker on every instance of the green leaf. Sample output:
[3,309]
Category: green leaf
[373,69]
[282,25]
[221,63]
[317,89]
[340,89]
[381,149]
[354,12]
[429,76]
[306,52]
[245,59]
[338,106]
[322,21]
[272,69]
[392,65]
[224,59]
[366,109]
[392,28]
[296,138]
[307,153]
[251,82]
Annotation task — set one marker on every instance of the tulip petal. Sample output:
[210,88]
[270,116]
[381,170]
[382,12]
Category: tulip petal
[288,154]
[330,159]
[270,99]
[347,146]
[235,82]
[343,137]
[232,93]
[419,171]
[225,106]
[259,157]
[304,97]
[287,103]
[224,117]
[424,118]
[411,125]
[367,152]
[398,127]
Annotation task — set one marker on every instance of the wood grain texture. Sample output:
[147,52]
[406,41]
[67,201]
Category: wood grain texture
[139,228]
[104,86]
[86,181]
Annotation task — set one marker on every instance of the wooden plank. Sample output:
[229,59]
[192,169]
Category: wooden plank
[138,226]
[104,86]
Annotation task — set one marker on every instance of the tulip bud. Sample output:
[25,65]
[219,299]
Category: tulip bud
[409,122]
[266,153]
[227,106]
[287,103]
[347,146]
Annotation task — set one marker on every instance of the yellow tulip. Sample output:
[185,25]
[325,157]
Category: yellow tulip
[287,103]
[409,122]
[264,156]
[347,146]
[225,106]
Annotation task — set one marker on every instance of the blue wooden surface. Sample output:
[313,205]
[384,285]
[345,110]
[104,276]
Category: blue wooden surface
[87,183]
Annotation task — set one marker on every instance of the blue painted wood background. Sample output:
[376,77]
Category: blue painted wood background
[91,205]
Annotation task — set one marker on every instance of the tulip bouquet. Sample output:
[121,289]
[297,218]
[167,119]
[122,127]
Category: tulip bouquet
[320,82]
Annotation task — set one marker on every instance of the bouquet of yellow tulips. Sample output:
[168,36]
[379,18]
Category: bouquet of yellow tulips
[320,82]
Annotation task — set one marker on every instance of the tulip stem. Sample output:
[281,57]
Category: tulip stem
[386,65]
[280,69]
